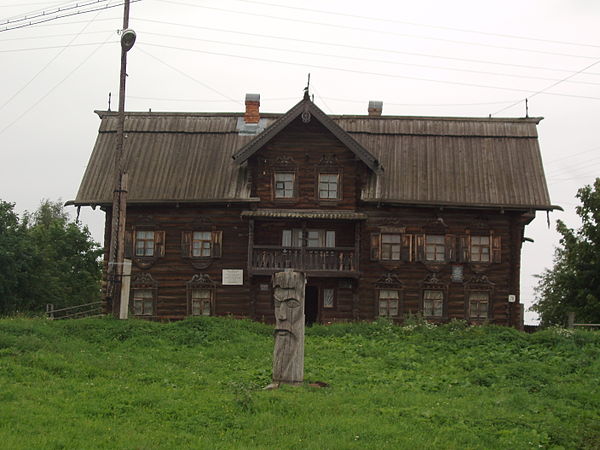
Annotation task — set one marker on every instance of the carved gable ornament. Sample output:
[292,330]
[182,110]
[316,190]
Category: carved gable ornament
[142,280]
[389,280]
[479,281]
[201,280]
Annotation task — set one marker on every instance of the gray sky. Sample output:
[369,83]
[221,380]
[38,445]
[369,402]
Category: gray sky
[431,58]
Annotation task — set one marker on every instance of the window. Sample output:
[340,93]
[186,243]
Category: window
[284,185]
[389,302]
[201,300]
[143,302]
[479,305]
[480,248]
[144,243]
[201,244]
[291,238]
[435,247]
[433,303]
[328,298]
[391,245]
[328,186]
[320,238]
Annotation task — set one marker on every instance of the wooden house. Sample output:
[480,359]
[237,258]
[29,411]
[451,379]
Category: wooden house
[386,215]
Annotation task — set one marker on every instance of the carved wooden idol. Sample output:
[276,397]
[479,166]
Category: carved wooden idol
[288,356]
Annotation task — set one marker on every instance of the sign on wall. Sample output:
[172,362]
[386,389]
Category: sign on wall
[233,277]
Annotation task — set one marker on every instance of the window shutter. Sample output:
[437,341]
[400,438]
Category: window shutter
[128,250]
[159,243]
[375,247]
[463,248]
[186,244]
[420,247]
[450,247]
[406,250]
[216,238]
[496,249]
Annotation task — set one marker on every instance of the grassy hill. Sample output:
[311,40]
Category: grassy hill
[103,383]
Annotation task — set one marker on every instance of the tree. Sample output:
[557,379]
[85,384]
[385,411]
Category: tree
[573,284]
[46,258]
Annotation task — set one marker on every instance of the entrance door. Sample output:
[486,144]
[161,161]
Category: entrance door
[311,304]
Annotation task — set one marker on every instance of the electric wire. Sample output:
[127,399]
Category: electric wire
[355,47]
[392,33]
[52,47]
[356,58]
[416,24]
[187,75]
[74,13]
[48,64]
[543,91]
[51,36]
[35,15]
[364,72]
[49,91]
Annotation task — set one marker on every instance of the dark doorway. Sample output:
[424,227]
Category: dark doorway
[311,304]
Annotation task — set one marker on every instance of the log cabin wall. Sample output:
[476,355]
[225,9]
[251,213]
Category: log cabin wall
[306,149]
[173,271]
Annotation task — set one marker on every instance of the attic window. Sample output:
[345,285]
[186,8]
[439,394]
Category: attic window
[329,186]
[284,185]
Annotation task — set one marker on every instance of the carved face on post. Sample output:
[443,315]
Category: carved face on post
[288,310]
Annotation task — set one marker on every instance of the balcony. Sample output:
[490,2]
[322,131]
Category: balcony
[314,261]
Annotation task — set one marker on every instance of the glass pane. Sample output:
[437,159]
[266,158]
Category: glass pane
[330,239]
[393,307]
[389,293]
[202,236]
[438,308]
[206,308]
[196,310]
[390,238]
[148,307]
[286,238]
[383,308]
[137,307]
[328,298]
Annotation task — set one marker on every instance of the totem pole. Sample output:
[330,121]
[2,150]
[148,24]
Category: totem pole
[288,355]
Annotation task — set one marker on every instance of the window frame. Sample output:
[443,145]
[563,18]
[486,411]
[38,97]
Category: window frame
[338,183]
[215,248]
[333,298]
[439,248]
[389,247]
[388,300]
[442,298]
[294,189]
[201,281]
[470,301]
[143,282]
[480,247]
[202,300]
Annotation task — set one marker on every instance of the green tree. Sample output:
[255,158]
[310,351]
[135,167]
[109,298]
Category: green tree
[46,258]
[573,284]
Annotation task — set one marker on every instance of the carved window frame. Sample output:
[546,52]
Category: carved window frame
[328,165]
[435,284]
[145,225]
[201,282]
[389,282]
[143,282]
[479,284]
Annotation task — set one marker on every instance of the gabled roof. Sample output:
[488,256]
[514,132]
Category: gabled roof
[429,161]
[307,110]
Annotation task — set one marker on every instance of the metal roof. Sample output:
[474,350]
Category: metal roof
[305,214]
[187,157]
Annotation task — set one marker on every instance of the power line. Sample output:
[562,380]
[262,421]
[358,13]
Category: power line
[51,36]
[370,30]
[356,58]
[571,156]
[415,24]
[189,76]
[355,47]
[543,91]
[421,104]
[53,88]
[52,47]
[74,13]
[457,83]
[35,15]
[47,64]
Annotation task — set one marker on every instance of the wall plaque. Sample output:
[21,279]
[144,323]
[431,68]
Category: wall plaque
[233,277]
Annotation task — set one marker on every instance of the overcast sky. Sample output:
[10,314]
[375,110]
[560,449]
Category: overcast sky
[425,58]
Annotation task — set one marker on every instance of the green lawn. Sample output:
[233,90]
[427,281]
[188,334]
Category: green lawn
[102,383]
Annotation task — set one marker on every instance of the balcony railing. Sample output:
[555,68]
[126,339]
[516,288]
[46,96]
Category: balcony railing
[309,259]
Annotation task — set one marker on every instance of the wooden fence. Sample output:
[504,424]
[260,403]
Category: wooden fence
[572,324]
[95,309]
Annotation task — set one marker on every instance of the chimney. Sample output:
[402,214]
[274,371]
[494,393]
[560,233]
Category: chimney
[252,114]
[375,108]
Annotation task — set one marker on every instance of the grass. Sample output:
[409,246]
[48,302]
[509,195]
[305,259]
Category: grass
[103,383]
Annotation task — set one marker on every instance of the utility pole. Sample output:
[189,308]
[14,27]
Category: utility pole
[119,207]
